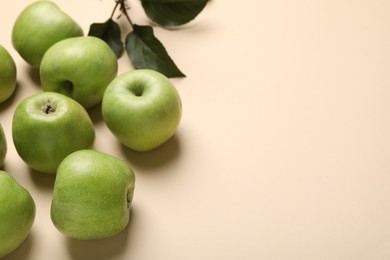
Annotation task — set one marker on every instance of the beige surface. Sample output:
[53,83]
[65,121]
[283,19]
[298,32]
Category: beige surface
[283,150]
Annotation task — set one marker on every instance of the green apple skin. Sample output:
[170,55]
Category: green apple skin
[39,26]
[7,75]
[17,214]
[142,108]
[80,68]
[46,127]
[92,195]
[3,146]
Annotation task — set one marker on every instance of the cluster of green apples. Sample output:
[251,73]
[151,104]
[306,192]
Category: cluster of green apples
[53,133]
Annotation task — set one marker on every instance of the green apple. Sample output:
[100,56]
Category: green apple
[92,195]
[142,108]
[7,75]
[46,127]
[3,146]
[17,214]
[39,26]
[80,68]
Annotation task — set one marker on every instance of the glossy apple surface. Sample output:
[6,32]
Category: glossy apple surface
[92,195]
[39,26]
[46,127]
[142,109]
[17,214]
[7,75]
[3,146]
[80,68]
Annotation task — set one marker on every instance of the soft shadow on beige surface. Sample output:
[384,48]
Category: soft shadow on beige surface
[33,74]
[95,113]
[106,248]
[43,181]
[10,102]
[164,154]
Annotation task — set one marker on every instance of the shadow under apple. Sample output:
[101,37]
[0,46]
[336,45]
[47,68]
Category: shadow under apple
[34,75]
[95,113]
[102,249]
[164,154]
[43,181]
[8,103]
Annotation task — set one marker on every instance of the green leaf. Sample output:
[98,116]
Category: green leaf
[147,52]
[173,12]
[110,33]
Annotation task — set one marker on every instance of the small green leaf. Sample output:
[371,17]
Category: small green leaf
[147,52]
[110,33]
[173,12]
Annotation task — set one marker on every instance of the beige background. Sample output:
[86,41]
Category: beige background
[284,145]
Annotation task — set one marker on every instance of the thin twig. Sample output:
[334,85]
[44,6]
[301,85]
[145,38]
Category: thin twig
[123,9]
[116,6]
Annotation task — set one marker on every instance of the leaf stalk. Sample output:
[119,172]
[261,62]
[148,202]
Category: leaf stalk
[123,7]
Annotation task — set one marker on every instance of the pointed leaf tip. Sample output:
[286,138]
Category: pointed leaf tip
[147,52]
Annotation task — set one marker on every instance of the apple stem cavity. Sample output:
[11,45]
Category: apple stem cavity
[48,108]
[137,91]
[67,87]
